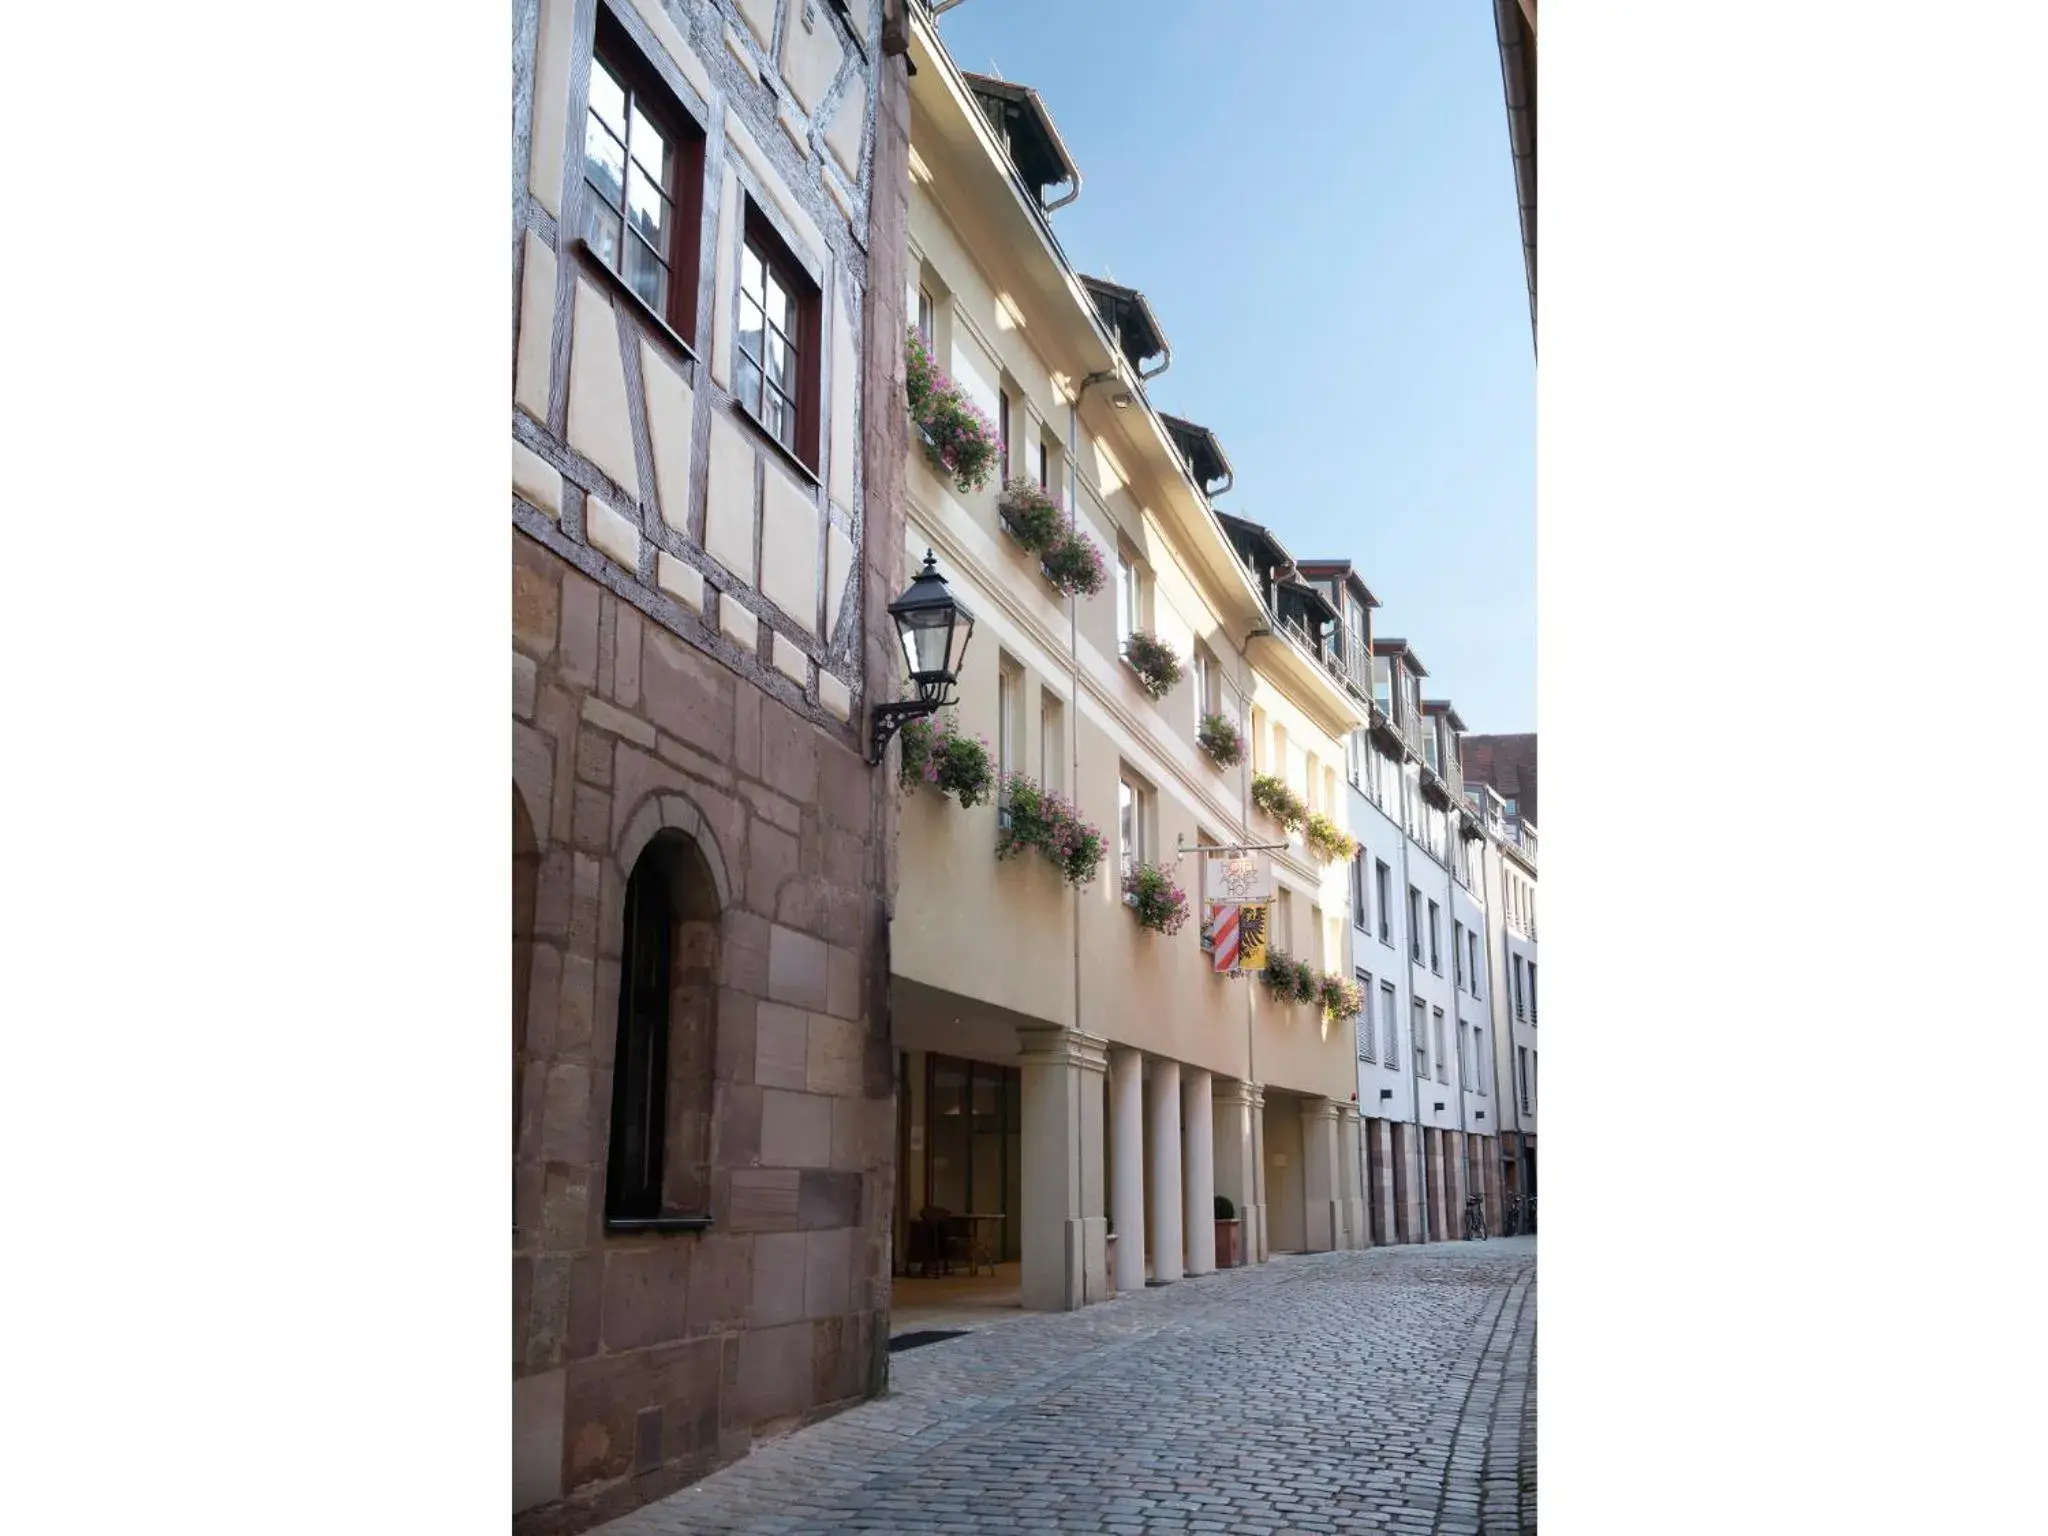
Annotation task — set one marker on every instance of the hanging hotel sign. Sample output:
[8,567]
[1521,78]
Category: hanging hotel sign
[1238,938]
[1239,879]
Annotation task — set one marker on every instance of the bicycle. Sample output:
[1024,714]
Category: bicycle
[1532,1215]
[1511,1222]
[1475,1218]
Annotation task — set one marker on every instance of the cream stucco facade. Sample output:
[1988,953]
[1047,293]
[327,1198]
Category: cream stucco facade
[1149,1083]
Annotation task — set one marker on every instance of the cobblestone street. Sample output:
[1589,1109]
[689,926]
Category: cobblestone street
[1385,1390]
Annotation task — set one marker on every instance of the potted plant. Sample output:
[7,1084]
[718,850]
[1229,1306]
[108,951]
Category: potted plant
[1271,795]
[1154,662]
[1227,1230]
[958,439]
[1325,840]
[1035,817]
[1150,892]
[1031,515]
[940,757]
[1219,738]
[1073,564]
[1288,979]
[1341,996]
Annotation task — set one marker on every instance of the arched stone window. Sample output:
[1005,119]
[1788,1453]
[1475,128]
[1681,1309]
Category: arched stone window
[659,1165]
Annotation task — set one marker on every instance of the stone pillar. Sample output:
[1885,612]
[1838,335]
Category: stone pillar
[1198,1169]
[1433,1151]
[1409,1160]
[1127,1169]
[1232,1144]
[1164,1113]
[1163,1108]
[1320,1214]
[1454,1183]
[1063,1229]
[1486,1163]
[1382,1191]
[1256,1246]
[1351,1175]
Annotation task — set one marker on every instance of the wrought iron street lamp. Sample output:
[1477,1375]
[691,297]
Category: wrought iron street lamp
[934,627]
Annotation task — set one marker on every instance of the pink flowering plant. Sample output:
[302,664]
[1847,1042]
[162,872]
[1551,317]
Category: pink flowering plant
[1219,738]
[1154,662]
[1073,564]
[958,439]
[1271,795]
[1037,818]
[1341,996]
[1327,841]
[1031,515]
[1290,980]
[1161,905]
[944,758]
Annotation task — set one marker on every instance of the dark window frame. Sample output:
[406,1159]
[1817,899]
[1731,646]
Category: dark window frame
[775,255]
[634,1165]
[614,47]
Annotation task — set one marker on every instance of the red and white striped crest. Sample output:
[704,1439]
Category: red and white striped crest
[1223,931]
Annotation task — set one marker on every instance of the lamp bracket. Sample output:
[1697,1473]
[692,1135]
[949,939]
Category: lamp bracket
[885,720]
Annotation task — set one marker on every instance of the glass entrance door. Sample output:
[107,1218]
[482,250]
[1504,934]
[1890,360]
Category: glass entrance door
[973,1142]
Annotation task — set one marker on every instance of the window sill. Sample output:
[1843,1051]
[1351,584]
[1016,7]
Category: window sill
[657,1223]
[787,454]
[642,310]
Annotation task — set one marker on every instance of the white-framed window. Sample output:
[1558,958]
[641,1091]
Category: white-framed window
[1360,917]
[1382,891]
[1414,925]
[927,312]
[1009,714]
[1419,1034]
[1522,1068]
[1464,1081]
[1383,684]
[1130,821]
[1129,612]
[1472,948]
[1479,1063]
[1052,732]
[1363,1024]
[1436,958]
[1390,1027]
[1518,989]
[1443,1062]
[1458,954]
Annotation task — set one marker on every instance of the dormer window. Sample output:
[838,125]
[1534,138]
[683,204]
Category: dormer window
[1025,130]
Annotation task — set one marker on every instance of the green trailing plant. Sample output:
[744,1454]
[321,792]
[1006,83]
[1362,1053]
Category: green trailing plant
[1271,795]
[942,757]
[1327,841]
[1288,979]
[1036,818]
[1154,662]
[1031,515]
[1341,996]
[1219,738]
[1225,1211]
[1073,563]
[1160,904]
[958,439]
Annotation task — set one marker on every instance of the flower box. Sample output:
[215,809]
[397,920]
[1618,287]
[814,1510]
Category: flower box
[1150,892]
[1271,795]
[1220,741]
[1153,660]
[958,439]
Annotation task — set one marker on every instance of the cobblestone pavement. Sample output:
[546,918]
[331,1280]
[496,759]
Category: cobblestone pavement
[1386,1390]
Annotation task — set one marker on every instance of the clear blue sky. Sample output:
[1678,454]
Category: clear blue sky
[1322,215]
